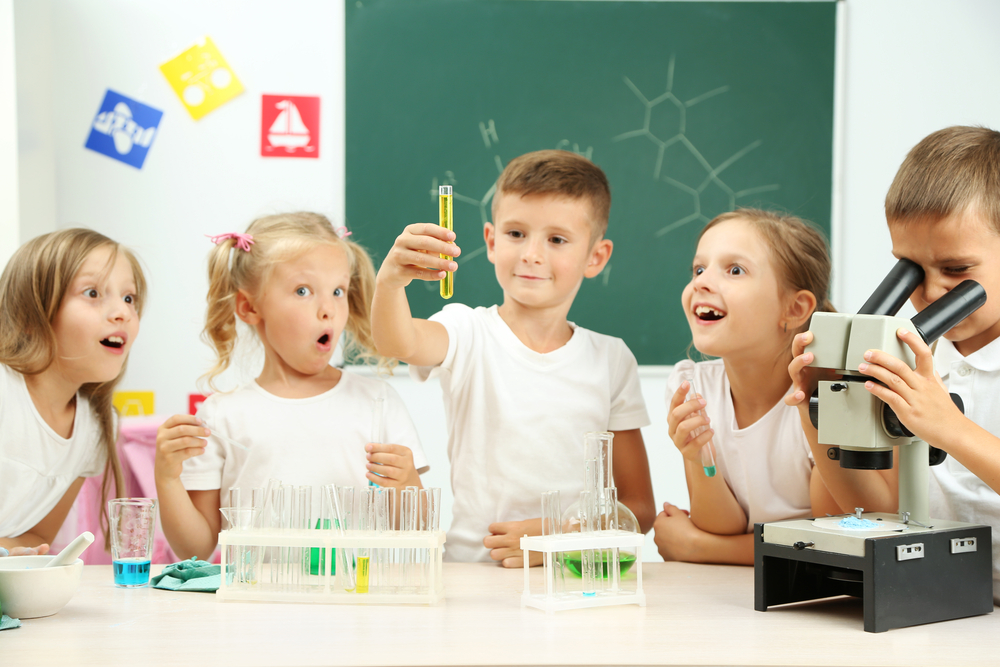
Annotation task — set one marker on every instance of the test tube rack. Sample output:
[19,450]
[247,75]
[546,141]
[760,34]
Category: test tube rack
[424,585]
[553,600]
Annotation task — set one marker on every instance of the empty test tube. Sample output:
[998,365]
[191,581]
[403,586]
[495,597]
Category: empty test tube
[707,454]
[333,498]
[378,422]
[588,557]
[552,525]
[610,520]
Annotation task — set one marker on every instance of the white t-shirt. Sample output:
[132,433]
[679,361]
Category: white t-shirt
[303,441]
[516,418]
[767,465]
[956,494]
[37,465]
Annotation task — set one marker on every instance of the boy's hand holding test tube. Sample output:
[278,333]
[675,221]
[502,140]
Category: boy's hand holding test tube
[689,426]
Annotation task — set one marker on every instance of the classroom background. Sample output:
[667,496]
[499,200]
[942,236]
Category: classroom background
[902,68]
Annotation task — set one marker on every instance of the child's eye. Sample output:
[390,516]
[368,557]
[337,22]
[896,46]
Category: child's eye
[515,234]
[130,299]
[698,270]
[558,240]
[91,293]
[338,292]
[736,270]
[957,270]
[303,291]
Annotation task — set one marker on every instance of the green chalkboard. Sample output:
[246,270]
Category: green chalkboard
[691,108]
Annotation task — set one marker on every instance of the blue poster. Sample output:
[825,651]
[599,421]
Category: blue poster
[124,129]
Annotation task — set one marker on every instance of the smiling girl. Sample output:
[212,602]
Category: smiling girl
[756,279]
[298,285]
[69,312]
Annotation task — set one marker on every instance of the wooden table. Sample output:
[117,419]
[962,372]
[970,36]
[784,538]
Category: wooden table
[695,615]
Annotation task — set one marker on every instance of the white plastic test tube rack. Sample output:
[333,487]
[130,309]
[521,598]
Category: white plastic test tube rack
[554,599]
[421,584]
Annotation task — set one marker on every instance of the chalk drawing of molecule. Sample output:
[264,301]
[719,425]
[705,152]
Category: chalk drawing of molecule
[679,108]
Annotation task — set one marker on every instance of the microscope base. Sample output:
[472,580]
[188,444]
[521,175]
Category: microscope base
[899,587]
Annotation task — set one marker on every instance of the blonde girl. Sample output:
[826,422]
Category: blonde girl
[298,284]
[756,279]
[70,303]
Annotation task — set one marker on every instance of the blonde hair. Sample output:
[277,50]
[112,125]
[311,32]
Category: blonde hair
[946,173]
[559,173]
[276,239]
[32,289]
[799,251]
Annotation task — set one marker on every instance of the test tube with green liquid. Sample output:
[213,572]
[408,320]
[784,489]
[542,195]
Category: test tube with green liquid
[707,455]
[446,220]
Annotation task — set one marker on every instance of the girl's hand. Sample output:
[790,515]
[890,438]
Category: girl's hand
[683,418]
[918,397]
[674,533]
[391,465]
[504,542]
[416,254]
[178,439]
[803,377]
[40,550]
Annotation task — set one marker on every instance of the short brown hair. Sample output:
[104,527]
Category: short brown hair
[798,248]
[561,173]
[946,173]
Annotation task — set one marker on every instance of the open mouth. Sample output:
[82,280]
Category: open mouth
[324,339]
[116,342]
[708,314]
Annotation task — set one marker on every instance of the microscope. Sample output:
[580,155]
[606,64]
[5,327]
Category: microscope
[907,568]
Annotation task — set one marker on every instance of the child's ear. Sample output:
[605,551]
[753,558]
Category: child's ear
[245,309]
[800,307]
[489,234]
[599,256]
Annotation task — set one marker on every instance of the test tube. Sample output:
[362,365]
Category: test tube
[612,563]
[552,525]
[345,518]
[707,454]
[378,422]
[366,524]
[446,220]
[285,559]
[588,557]
[408,522]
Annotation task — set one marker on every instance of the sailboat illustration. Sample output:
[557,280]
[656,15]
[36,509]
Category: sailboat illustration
[288,131]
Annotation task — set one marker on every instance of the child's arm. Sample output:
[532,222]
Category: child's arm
[504,542]
[41,535]
[713,506]
[414,255]
[190,519]
[631,470]
[677,538]
[922,402]
[874,490]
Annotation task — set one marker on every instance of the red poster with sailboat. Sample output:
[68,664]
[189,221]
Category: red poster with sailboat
[289,126]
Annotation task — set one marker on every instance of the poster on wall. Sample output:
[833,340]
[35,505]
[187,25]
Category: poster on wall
[202,78]
[124,129]
[289,126]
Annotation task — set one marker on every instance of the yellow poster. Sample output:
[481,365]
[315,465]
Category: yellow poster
[134,403]
[202,78]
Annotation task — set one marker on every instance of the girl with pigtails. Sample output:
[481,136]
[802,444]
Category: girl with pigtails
[297,284]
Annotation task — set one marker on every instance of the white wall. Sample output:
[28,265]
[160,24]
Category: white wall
[9,211]
[912,66]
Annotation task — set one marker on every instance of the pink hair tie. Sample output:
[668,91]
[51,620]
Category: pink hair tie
[243,241]
[342,232]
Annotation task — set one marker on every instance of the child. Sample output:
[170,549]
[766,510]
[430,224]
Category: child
[298,285]
[70,303]
[756,279]
[943,210]
[521,384]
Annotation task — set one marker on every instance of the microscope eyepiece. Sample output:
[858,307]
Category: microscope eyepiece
[894,289]
[936,319]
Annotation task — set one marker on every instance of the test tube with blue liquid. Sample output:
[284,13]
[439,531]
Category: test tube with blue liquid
[707,454]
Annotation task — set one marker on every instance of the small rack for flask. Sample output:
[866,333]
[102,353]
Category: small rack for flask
[393,567]
[608,591]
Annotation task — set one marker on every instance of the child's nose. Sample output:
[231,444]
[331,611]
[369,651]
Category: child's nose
[533,251]
[119,310]
[933,290]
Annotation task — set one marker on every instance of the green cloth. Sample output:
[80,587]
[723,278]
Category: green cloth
[6,622]
[189,575]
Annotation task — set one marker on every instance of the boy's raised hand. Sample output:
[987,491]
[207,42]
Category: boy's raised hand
[391,465]
[416,254]
[178,439]
[504,542]
[918,397]
[683,419]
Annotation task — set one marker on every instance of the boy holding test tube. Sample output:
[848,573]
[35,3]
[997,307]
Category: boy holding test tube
[521,383]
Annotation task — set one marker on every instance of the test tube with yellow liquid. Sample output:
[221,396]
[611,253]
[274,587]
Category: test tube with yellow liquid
[445,220]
